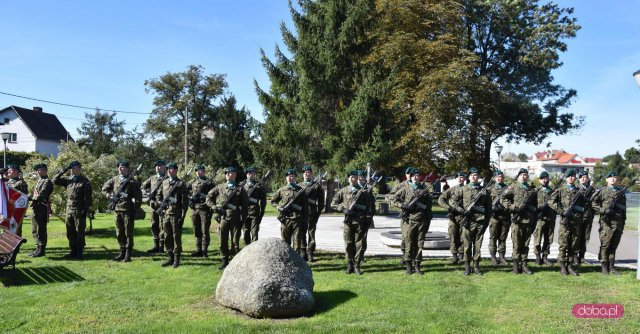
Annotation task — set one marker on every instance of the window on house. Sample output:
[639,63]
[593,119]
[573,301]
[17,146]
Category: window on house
[6,121]
[14,138]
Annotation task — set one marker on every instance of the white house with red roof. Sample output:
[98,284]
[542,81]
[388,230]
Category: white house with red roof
[551,161]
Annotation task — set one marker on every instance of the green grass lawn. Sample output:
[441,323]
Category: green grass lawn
[52,295]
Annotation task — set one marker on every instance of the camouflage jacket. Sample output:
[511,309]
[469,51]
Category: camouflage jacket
[300,206]
[153,182]
[79,191]
[344,198]
[238,206]
[422,211]
[42,191]
[174,191]
[560,202]
[445,201]
[497,192]
[19,184]
[602,200]
[544,210]
[131,197]
[521,200]
[315,198]
[481,211]
[198,190]
[257,196]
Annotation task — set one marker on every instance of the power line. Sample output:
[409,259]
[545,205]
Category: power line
[76,106]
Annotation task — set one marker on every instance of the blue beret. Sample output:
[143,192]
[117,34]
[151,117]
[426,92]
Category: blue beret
[250,170]
[611,173]
[306,168]
[570,172]
[74,163]
[544,174]
[291,171]
[172,165]
[230,169]
[160,163]
[473,170]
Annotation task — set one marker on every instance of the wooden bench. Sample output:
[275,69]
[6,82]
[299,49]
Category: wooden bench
[9,247]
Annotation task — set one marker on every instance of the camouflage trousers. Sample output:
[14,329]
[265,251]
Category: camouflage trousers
[290,233]
[498,233]
[455,235]
[124,229]
[585,232]
[352,235]
[414,240]
[520,238]
[39,222]
[311,233]
[610,235]
[250,229]
[472,239]
[201,219]
[543,236]
[567,241]
[76,223]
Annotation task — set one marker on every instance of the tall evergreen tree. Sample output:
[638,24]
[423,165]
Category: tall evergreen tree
[100,132]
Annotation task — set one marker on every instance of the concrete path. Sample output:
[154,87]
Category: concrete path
[329,238]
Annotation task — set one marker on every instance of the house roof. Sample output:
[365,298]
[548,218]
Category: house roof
[43,125]
[559,155]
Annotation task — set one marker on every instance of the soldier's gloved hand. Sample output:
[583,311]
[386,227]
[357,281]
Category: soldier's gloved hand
[467,214]
[405,207]
[349,213]
[219,210]
[281,209]
[608,213]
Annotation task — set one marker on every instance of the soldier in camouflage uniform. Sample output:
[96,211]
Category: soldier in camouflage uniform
[296,215]
[500,221]
[455,230]
[611,204]
[200,211]
[543,234]
[477,217]
[79,200]
[257,196]
[151,187]
[362,182]
[587,218]
[400,185]
[40,207]
[521,201]
[415,202]
[17,182]
[231,202]
[561,202]
[355,206]
[315,198]
[172,193]
[130,199]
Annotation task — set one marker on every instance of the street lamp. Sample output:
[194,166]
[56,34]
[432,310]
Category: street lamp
[5,137]
[498,149]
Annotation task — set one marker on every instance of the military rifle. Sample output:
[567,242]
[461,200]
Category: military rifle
[287,207]
[169,197]
[197,195]
[497,205]
[222,210]
[255,186]
[352,208]
[154,191]
[468,210]
[120,194]
[411,205]
[573,207]
[517,217]
[614,206]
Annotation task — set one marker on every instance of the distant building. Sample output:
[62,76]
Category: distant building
[552,161]
[32,130]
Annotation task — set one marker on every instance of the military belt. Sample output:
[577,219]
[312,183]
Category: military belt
[231,206]
[478,208]
[361,207]
[297,207]
[312,201]
[421,205]
[579,208]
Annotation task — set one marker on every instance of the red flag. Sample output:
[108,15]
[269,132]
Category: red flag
[13,206]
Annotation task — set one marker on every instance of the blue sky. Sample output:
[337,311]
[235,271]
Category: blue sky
[98,54]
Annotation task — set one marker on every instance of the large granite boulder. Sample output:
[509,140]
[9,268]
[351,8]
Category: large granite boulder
[267,279]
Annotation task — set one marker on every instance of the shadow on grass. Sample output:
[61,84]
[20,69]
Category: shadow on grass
[328,300]
[37,276]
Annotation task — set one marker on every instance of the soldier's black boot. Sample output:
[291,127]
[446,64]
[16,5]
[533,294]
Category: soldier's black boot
[516,266]
[198,252]
[225,262]
[538,260]
[575,260]
[156,247]
[79,253]
[476,267]
[161,246]
[503,260]
[127,255]
[605,268]
[494,260]
[454,258]
[35,251]
[525,268]
[176,260]
[612,268]
[467,267]
[356,269]
[563,269]
[41,251]
[546,261]
[305,255]
[349,269]
[169,260]
[572,271]
[416,269]
[205,253]
[311,259]
[72,253]
[409,270]
[120,255]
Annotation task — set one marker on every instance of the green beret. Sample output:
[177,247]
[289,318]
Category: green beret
[172,165]
[123,163]
[250,170]
[74,163]
[461,173]
[473,170]
[352,173]
[570,172]
[306,168]
[498,172]
[583,173]
[360,172]
[523,171]
[415,171]
[291,171]
[13,166]
[230,169]
[200,166]
[611,173]
[38,166]
[160,163]
[544,174]
[408,170]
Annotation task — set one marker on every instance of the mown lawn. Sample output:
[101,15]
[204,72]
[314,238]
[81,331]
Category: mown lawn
[52,295]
